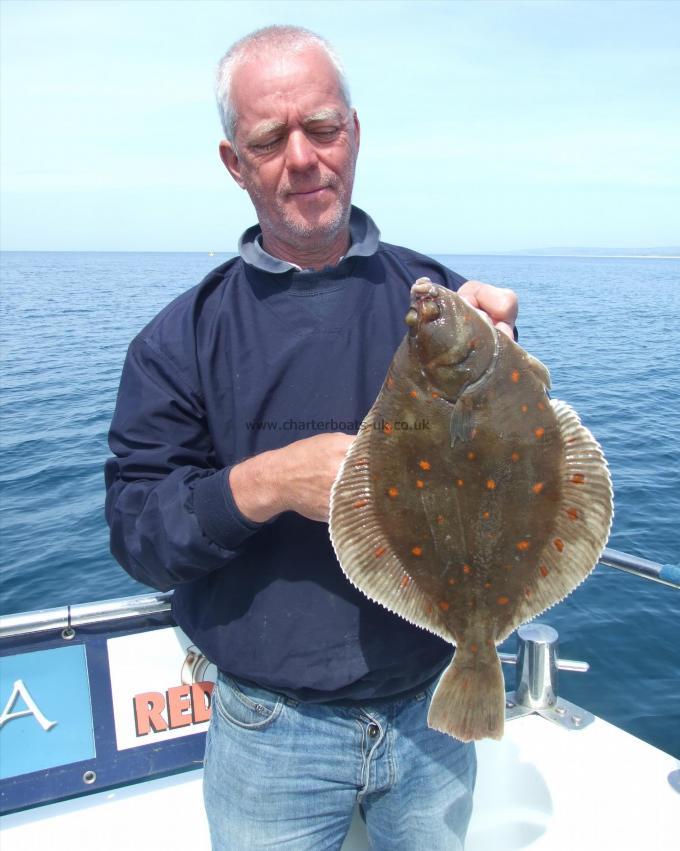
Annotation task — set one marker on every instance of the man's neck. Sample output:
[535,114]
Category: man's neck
[308,257]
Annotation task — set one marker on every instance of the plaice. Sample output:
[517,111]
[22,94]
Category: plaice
[470,502]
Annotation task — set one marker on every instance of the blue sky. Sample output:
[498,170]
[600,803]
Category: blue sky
[487,126]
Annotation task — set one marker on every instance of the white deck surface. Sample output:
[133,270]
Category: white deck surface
[542,788]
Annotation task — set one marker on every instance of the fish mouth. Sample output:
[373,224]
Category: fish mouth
[425,306]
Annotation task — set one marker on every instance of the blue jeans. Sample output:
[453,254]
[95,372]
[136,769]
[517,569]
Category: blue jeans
[281,774]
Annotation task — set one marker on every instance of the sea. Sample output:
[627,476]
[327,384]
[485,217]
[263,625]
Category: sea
[606,327]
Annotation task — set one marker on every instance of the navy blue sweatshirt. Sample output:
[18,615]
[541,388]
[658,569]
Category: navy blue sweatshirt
[247,361]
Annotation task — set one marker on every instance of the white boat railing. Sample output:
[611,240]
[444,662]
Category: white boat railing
[67,618]
[666,574]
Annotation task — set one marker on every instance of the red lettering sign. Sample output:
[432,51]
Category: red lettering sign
[185,705]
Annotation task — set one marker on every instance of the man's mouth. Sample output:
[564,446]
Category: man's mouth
[308,192]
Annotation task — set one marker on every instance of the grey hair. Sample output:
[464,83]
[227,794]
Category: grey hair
[288,38]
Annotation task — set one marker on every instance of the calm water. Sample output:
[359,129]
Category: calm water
[606,328]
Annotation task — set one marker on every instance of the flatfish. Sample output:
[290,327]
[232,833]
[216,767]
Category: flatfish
[470,501]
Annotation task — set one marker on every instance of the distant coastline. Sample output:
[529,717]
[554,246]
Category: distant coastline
[574,256]
[666,252]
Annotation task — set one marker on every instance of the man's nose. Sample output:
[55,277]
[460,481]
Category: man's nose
[300,152]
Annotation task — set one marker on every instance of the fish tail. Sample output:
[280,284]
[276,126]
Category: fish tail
[469,701]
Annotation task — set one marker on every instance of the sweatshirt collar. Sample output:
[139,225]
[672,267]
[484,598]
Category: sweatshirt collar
[364,239]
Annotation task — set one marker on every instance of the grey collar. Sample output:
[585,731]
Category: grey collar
[364,238]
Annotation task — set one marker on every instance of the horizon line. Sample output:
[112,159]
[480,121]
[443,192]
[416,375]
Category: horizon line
[538,252]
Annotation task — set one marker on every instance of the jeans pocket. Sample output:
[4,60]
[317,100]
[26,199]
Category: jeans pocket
[246,706]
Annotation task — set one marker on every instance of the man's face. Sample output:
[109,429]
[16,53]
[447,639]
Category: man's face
[295,149]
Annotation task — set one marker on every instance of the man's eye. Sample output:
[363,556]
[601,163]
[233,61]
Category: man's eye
[325,132]
[264,147]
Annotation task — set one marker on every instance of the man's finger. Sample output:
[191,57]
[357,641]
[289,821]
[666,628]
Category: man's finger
[468,292]
[504,328]
[499,303]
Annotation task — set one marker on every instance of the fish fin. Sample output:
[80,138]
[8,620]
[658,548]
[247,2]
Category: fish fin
[539,369]
[362,549]
[461,422]
[469,701]
[584,515]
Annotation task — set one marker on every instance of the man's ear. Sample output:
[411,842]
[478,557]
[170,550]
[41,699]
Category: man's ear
[231,161]
[357,127]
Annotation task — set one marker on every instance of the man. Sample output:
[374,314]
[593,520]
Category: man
[322,695]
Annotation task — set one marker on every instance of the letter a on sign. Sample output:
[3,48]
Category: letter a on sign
[20,691]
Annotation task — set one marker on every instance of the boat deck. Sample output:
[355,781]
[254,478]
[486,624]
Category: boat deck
[541,787]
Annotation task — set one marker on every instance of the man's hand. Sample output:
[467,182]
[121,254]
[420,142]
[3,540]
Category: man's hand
[297,477]
[499,304]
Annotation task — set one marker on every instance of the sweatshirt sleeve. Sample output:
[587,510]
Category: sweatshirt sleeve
[170,510]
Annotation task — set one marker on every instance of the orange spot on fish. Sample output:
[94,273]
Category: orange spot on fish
[487,585]
[572,513]
[460,482]
[486,515]
[544,570]
[490,485]
[559,544]
[541,406]
[413,394]
[524,408]
[522,546]
[440,519]
[390,383]
[515,376]
[473,434]
[405,581]
[452,581]
[379,551]
[443,605]
[393,493]
[420,483]
[473,648]
[360,503]
[527,592]
[471,456]
[387,428]
[435,395]
[578,479]
[416,551]
[539,432]
[467,568]
[538,487]
[424,465]
[503,601]
[515,456]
